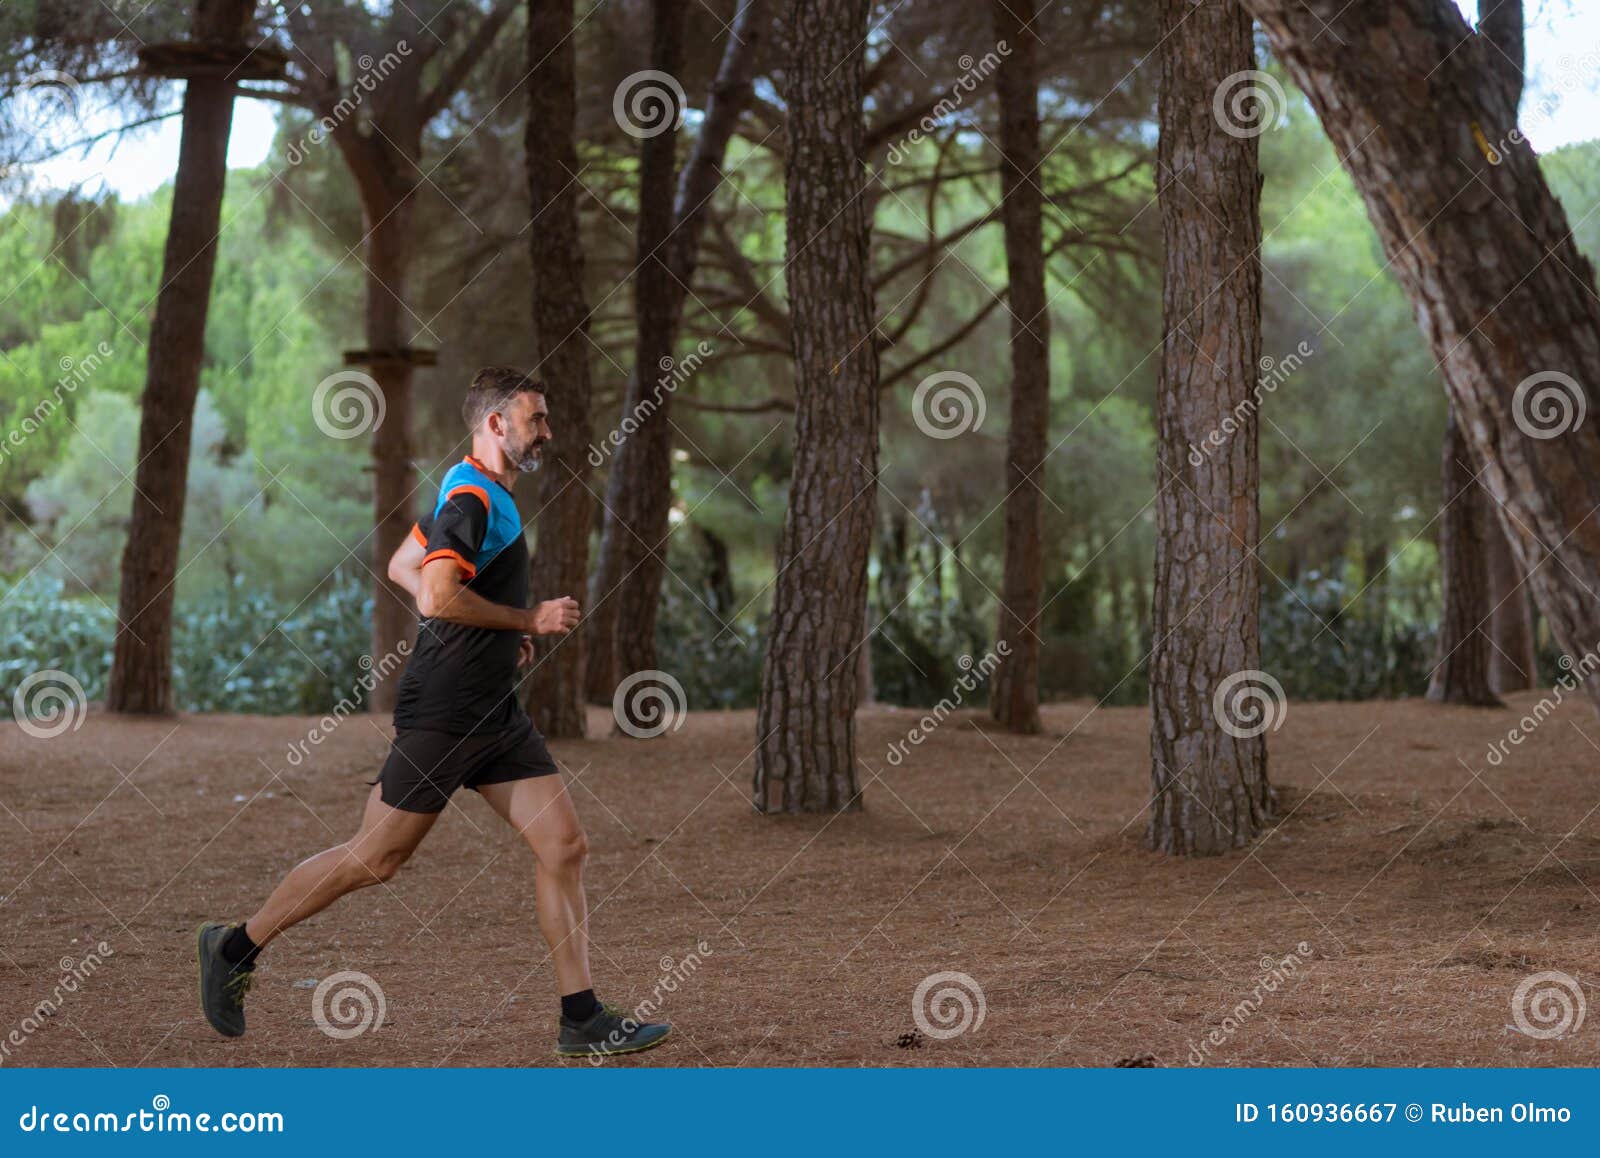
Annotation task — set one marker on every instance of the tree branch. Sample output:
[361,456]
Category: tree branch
[455,73]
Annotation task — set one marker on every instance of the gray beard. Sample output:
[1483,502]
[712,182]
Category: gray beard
[527,461]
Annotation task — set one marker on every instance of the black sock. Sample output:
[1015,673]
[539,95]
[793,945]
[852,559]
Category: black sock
[579,1006]
[239,950]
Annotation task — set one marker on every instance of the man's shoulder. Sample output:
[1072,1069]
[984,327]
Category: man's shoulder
[467,480]
[504,524]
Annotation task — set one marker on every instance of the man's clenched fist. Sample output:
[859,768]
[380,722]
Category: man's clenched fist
[556,616]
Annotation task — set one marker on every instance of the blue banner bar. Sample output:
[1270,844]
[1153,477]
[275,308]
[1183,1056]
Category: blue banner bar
[761,1112]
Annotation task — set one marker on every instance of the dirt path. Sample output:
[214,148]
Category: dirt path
[1387,920]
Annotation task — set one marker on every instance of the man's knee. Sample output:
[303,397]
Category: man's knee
[564,851]
[371,866]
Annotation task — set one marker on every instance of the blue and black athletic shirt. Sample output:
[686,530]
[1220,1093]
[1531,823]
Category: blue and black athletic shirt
[464,679]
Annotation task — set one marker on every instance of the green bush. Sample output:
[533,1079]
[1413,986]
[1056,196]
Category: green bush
[238,652]
[717,660]
[1357,656]
[916,650]
[253,652]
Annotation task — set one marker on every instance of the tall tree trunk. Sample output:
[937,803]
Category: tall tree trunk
[1504,296]
[1513,654]
[640,511]
[141,664]
[383,151]
[1461,672]
[385,159]
[1208,710]
[560,317]
[1513,664]
[388,258]
[645,471]
[1471,544]
[1014,692]
[805,759]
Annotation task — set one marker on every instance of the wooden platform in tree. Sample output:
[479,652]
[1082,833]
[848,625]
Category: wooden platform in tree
[406,355]
[184,59]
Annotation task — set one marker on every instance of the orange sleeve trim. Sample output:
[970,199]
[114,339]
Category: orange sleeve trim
[416,533]
[483,495]
[446,553]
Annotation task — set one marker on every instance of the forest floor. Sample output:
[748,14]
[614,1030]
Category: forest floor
[1406,889]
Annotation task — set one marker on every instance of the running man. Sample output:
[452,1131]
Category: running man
[458,723]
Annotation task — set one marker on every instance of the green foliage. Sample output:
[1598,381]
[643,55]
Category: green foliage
[233,651]
[247,651]
[1320,649]
[278,517]
[917,652]
[716,658]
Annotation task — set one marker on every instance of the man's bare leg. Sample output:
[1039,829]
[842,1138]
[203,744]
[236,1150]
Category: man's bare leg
[226,953]
[542,813]
[387,838]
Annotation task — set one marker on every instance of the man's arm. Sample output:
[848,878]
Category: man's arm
[442,595]
[405,565]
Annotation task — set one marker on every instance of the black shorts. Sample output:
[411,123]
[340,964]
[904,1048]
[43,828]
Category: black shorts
[424,768]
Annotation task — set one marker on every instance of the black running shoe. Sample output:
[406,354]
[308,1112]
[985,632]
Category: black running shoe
[222,987]
[610,1031]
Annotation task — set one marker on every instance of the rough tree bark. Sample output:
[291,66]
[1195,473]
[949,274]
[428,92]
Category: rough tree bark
[141,664]
[645,470]
[1474,557]
[638,510]
[560,316]
[1014,692]
[1208,750]
[1486,254]
[1513,663]
[390,250]
[1513,654]
[1461,672]
[805,758]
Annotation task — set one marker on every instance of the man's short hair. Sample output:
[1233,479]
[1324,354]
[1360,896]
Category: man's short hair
[493,388]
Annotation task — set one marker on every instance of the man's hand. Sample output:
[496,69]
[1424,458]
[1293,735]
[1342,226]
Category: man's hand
[556,616]
[525,651]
